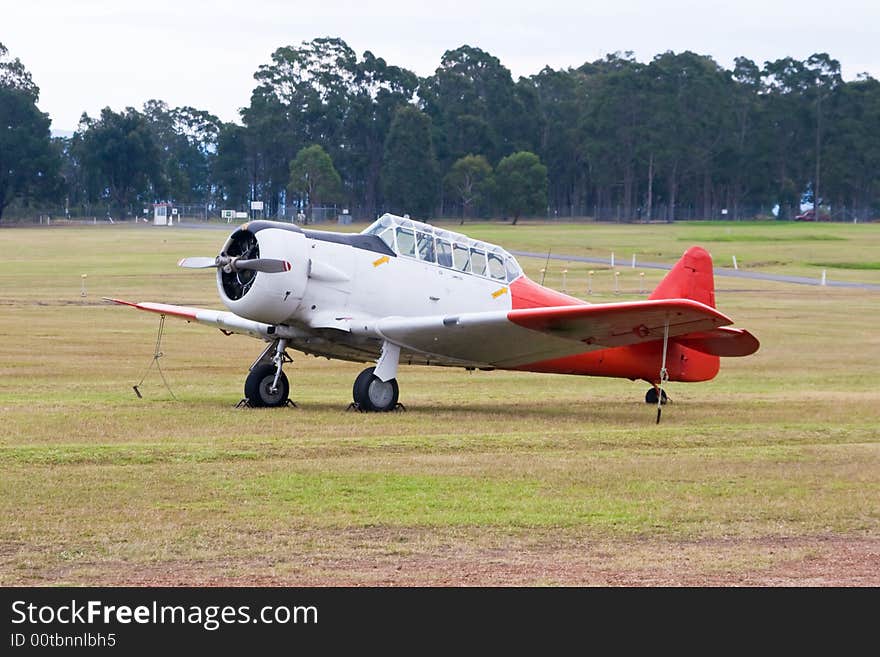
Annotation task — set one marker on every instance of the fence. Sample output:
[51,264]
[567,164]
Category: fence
[203,212]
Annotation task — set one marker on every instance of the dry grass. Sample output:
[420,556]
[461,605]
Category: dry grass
[767,475]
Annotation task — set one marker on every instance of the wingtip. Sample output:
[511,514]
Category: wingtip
[121,302]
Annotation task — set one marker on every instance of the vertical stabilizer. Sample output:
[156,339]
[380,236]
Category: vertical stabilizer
[690,278]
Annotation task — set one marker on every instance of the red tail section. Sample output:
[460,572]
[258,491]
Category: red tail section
[690,278]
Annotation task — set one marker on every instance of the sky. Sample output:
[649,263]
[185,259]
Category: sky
[89,54]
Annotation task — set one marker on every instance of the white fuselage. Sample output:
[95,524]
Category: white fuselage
[333,285]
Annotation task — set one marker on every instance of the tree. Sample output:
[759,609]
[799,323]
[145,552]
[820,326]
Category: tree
[320,93]
[560,106]
[187,138]
[521,184]
[613,128]
[851,169]
[678,136]
[302,98]
[28,160]
[13,75]
[313,176]
[409,168]
[688,122]
[475,107]
[233,167]
[469,179]
[377,92]
[121,157]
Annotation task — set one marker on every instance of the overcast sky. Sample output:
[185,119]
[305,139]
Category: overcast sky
[88,54]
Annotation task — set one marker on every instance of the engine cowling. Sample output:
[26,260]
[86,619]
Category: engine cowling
[265,297]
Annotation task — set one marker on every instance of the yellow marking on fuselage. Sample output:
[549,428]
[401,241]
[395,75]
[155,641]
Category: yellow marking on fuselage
[380,261]
[498,293]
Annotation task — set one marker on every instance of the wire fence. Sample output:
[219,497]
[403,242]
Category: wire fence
[332,214]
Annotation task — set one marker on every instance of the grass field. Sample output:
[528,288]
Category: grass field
[768,475]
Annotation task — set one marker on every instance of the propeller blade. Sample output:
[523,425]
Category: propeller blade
[266,265]
[197,263]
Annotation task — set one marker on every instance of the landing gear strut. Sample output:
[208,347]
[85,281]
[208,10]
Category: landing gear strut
[266,384]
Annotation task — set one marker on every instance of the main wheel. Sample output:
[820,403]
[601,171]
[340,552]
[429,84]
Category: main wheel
[651,396]
[374,395]
[258,383]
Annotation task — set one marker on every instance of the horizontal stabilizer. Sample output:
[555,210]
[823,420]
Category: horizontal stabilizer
[722,341]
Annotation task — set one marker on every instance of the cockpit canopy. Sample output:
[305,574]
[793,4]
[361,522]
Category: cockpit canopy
[417,240]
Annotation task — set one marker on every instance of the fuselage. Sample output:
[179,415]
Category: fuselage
[402,268]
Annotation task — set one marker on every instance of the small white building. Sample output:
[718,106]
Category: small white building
[163,214]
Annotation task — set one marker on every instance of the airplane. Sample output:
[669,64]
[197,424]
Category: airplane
[404,291]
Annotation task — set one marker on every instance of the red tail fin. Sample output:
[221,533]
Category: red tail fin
[690,278]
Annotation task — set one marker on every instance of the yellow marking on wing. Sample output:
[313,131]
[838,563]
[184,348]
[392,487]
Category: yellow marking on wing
[498,293]
[380,261]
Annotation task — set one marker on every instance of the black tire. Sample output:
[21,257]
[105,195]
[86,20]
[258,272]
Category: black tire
[373,395]
[651,396]
[258,382]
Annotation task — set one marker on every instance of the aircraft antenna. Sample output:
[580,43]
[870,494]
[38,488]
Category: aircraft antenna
[157,354]
[546,264]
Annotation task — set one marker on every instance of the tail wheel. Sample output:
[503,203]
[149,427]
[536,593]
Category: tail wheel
[651,396]
[258,387]
[372,394]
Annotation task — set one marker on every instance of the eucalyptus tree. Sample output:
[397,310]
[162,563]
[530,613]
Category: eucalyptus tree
[29,162]
[14,75]
[521,184]
[121,157]
[378,91]
[686,131]
[793,103]
[614,128]
[313,177]
[320,93]
[559,116]
[469,179]
[409,167]
[851,170]
[475,107]
[233,168]
[187,139]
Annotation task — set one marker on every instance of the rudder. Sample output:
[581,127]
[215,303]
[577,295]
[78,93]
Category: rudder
[690,278]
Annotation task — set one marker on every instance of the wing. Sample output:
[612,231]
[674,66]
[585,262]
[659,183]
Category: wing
[223,320]
[518,337]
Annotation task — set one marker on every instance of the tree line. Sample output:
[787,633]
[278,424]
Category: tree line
[679,136]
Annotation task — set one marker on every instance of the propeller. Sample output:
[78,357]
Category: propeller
[232,264]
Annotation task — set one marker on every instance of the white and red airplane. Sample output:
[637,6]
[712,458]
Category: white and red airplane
[403,291]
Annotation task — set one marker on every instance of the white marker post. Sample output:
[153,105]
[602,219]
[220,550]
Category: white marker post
[735,266]
[612,260]
[564,272]
[634,261]
[617,282]
[824,272]
[641,282]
